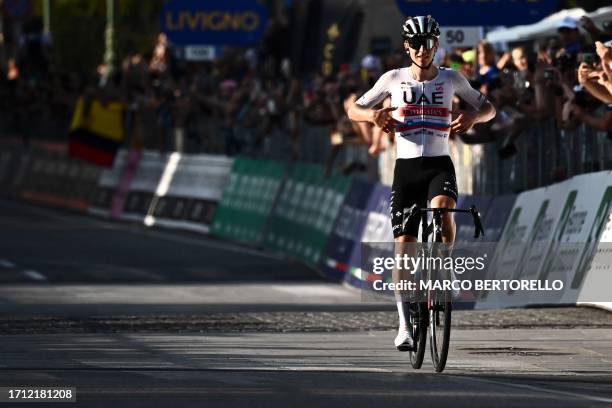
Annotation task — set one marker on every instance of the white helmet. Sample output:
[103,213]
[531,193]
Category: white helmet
[420,25]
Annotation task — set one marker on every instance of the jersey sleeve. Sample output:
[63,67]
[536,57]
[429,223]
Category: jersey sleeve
[465,91]
[377,93]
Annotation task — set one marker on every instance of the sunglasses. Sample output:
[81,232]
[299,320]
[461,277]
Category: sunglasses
[417,42]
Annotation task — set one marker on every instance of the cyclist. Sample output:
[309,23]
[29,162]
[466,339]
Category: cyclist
[422,118]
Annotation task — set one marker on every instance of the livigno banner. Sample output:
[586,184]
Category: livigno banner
[247,200]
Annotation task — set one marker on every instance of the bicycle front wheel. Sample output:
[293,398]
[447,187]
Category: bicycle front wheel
[439,329]
[418,325]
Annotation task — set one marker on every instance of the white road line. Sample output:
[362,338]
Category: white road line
[37,276]
[541,389]
[6,264]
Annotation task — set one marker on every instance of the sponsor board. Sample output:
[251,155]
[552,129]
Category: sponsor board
[195,185]
[465,223]
[512,242]
[347,231]
[571,235]
[108,180]
[146,180]
[377,234]
[307,208]
[247,201]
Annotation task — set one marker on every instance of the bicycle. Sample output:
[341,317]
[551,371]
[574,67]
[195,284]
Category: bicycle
[434,313]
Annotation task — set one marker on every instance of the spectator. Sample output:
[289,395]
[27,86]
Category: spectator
[487,63]
[569,34]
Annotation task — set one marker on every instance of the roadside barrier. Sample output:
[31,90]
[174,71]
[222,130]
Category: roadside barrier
[247,200]
[562,232]
[347,231]
[189,191]
[49,179]
[144,185]
[304,215]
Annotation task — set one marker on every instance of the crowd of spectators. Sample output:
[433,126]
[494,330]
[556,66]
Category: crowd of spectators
[562,77]
[245,101]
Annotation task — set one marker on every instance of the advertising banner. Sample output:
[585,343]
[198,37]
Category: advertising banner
[465,222]
[569,251]
[14,164]
[208,22]
[144,185]
[307,207]
[594,274]
[59,181]
[377,235]
[480,12]
[108,180]
[249,195]
[195,188]
[347,231]
[529,207]
[496,216]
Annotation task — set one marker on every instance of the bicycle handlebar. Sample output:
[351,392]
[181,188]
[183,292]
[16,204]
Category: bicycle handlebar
[411,212]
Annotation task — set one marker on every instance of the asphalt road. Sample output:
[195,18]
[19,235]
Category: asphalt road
[136,317]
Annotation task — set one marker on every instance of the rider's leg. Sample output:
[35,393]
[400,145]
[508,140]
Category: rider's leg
[448,221]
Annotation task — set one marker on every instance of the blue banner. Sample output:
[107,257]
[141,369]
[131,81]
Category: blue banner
[465,222]
[347,230]
[480,12]
[496,216]
[194,22]
[377,235]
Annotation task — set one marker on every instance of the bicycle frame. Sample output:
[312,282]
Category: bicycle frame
[438,345]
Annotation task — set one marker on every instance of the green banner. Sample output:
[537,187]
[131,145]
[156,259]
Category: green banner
[248,199]
[305,213]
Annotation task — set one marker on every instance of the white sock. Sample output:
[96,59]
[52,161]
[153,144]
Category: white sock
[402,311]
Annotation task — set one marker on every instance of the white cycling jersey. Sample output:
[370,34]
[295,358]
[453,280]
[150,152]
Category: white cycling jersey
[424,108]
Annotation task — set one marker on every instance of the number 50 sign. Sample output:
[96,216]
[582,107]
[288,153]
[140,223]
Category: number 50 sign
[456,37]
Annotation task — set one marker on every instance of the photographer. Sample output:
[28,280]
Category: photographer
[594,79]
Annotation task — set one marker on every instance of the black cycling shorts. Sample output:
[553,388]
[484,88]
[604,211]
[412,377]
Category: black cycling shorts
[416,181]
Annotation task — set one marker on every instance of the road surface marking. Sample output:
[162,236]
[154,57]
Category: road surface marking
[6,264]
[37,276]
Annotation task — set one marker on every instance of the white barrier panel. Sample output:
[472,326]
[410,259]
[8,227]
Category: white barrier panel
[594,274]
[528,208]
[569,244]
[107,184]
[540,247]
[191,188]
[144,185]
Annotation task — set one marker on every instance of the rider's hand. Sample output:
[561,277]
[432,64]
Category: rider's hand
[383,119]
[463,121]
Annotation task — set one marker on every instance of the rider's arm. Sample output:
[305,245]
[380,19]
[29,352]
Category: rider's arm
[360,110]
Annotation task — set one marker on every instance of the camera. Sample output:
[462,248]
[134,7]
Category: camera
[588,58]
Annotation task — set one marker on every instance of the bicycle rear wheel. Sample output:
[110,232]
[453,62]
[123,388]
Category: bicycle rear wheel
[418,325]
[439,329]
